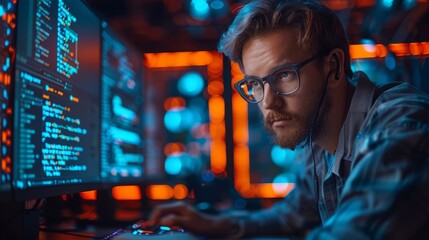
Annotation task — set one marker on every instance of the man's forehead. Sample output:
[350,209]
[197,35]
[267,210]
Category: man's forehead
[263,53]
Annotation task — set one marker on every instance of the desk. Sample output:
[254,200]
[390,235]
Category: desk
[69,230]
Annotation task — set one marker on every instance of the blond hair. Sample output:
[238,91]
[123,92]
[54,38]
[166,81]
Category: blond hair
[318,27]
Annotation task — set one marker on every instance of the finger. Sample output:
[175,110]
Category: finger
[178,208]
[171,220]
[196,224]
[161,210]
[179,221]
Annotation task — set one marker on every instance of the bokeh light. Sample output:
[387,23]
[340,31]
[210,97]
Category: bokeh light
[282,157]
[173,164]
[177,120]
[191,84]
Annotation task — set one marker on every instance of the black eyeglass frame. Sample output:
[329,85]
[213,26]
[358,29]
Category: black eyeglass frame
[296,67]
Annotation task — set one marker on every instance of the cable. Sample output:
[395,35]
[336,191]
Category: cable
[316,177]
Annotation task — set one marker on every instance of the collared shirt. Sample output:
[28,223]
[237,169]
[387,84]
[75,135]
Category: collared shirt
[376,186]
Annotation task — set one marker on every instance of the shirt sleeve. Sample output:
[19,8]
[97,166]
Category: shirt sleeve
[294,215]
[386,195]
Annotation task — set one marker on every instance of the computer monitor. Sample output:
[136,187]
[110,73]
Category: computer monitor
[57,99]
[7,57]
[122,142]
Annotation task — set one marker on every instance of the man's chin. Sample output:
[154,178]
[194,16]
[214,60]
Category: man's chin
[291,142]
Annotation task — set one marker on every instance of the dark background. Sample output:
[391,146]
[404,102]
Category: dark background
[172,25]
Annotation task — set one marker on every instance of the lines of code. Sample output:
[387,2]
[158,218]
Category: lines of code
[44,30]
[67,40]
[57,106]
[54,142]
[122,143]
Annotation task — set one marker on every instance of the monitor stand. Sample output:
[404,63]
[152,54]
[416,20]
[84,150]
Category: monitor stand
[105,207]
[111,212]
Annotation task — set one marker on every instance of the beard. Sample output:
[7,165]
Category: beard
[297,136]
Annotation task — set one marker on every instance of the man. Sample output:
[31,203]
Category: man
[366,148]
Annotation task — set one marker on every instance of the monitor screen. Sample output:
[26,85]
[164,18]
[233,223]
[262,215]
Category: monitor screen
[7,57]
[57,98]
[121,112]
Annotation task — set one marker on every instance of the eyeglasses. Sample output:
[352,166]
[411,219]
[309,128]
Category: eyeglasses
[283,80]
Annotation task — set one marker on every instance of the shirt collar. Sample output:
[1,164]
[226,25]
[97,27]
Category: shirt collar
[361,103]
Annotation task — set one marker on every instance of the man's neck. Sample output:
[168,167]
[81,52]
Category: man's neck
[341,99]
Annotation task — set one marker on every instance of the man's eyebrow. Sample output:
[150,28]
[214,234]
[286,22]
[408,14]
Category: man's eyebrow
[282,62]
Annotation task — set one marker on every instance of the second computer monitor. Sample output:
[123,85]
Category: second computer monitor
[122,141]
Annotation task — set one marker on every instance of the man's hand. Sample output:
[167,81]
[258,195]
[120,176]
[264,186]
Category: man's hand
[186,216]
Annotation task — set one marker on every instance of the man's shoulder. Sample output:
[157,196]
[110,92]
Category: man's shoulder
[399,93]
[397,107]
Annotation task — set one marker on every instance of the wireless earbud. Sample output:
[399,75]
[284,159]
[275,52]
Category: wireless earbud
[337,68]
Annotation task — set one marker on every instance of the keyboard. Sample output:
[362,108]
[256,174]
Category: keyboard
[141,230]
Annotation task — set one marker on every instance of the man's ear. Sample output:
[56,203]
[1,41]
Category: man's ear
[336,64]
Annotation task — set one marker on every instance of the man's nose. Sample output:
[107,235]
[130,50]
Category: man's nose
[271,99]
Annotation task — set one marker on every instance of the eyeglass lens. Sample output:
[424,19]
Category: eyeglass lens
[282,81]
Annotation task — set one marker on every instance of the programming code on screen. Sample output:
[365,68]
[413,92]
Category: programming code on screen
[122,129]
[56,94]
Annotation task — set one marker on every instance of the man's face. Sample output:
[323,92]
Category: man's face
[289,117]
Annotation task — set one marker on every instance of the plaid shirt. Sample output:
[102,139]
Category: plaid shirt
[376,186]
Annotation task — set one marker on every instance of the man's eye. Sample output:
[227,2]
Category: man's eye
[253,83]
[284,76]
